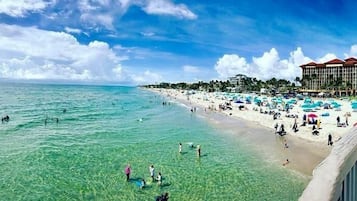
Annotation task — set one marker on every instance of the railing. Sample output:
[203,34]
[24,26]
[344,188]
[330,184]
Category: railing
[335,179]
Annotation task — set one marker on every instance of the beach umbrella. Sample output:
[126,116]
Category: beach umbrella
[326,104]
[312,115]
[307,106]
[307,100]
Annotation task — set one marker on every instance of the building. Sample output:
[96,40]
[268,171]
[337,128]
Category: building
[336,76]
[238,82]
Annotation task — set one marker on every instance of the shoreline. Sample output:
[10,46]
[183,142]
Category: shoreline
[304,154]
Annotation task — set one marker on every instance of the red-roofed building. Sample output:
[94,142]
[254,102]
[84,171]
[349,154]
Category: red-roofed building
[332,75]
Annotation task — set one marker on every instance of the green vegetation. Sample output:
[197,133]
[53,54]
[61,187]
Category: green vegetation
[247,84]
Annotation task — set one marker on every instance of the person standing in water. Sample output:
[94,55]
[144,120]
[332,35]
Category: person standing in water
[199,150]
[159,179]
[180,147]
[152,172]
[127,171]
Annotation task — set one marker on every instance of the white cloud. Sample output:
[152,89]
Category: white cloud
[20,8]
[32,53]
[191,69]
[265,67]
[72,30]
[353,52]
[148,34]
[326,58]
[95,20]
[103,12]
[166,7]
[230,65]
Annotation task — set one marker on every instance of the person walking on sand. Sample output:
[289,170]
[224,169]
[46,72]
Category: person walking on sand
[318,123]
[329,140]
[127,171]
[338,120]
[152,172]
[346,119]
[276,127]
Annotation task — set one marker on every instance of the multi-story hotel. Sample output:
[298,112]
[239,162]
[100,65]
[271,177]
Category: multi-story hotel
[238,82]
[333,76]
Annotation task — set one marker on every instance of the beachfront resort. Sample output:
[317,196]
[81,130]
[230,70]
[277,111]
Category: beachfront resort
[335,76]
[324,119]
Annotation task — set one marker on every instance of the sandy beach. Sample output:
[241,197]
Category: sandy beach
[305,150]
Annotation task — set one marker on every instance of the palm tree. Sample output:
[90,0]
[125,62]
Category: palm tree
[298,80]
[306,80]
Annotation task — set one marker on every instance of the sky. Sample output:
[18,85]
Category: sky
[134,42]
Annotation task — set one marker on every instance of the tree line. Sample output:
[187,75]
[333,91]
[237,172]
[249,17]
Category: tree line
[246,84]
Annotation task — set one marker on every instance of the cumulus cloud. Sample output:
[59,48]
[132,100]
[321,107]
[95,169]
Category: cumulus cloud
[32,53]
[20,8]
[232,64]
[265,67]
[326,58]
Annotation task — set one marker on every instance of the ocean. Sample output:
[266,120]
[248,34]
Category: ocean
[72,142]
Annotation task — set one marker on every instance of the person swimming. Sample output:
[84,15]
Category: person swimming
[191,145]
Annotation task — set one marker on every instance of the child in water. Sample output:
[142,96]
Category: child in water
[159,179]
[143,183]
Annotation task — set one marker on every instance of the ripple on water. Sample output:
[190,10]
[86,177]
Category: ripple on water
[83,156]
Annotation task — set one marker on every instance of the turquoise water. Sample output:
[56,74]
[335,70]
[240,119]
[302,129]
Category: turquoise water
[83,156]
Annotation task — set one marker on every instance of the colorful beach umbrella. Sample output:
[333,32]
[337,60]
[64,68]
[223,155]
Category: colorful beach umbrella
[312,115]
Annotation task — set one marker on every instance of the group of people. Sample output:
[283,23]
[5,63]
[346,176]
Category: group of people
[342,124]
[5,119]
[281,131]
[127,172]
[142,182]
[158,178]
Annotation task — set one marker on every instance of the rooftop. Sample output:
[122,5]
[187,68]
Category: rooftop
[347,62]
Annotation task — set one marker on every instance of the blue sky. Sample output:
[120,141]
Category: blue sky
[149,41]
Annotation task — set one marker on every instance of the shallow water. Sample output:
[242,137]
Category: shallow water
[82,157]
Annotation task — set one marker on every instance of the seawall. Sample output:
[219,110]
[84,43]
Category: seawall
[335,178]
